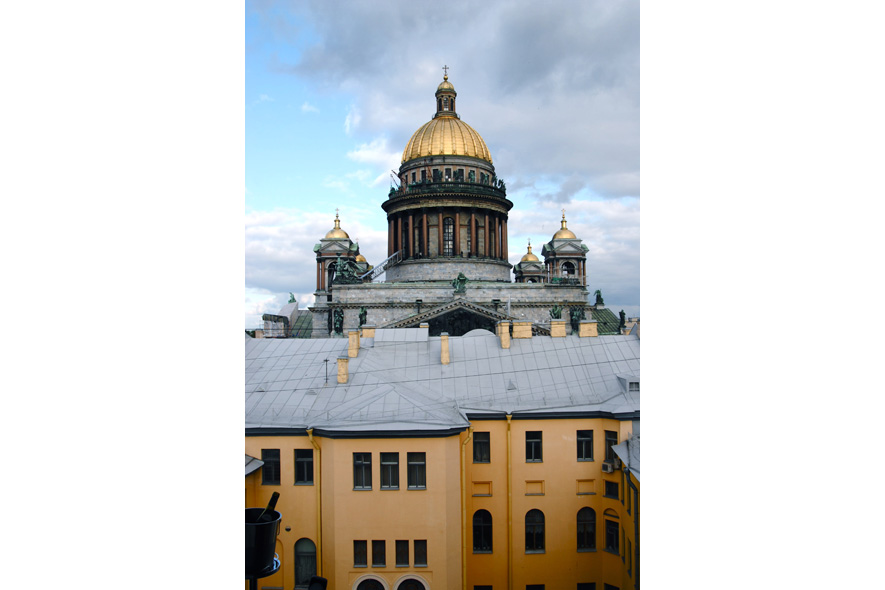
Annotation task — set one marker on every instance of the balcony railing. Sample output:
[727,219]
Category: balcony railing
[496,188]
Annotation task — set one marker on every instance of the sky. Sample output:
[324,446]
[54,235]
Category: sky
[333,96]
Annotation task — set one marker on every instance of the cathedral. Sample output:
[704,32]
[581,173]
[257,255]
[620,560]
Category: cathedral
[447,247]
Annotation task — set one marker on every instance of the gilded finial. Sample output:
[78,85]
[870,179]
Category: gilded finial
[446,72]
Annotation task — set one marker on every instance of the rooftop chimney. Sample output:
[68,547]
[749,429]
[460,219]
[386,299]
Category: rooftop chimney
[503,328]
[353,343]
[342,369]
[444,348]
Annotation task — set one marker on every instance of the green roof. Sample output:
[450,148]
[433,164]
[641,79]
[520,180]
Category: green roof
[607,321]
[302,325]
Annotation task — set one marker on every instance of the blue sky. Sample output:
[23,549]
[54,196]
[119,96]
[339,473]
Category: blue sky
[334,91]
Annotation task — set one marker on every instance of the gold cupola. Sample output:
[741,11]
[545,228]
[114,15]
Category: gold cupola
[564,233]
[529,257]
[446,134]
[336,233]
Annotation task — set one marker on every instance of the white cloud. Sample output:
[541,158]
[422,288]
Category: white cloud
[309,108]
[352,121]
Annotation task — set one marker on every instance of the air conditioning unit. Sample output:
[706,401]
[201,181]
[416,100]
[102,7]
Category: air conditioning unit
[608,467]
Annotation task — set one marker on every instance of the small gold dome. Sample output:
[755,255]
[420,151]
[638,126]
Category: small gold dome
[361,258]
[564,233]
[445,85]
[446,136]
[336,233]
[529,257]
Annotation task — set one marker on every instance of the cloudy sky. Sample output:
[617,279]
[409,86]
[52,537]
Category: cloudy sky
[334,92]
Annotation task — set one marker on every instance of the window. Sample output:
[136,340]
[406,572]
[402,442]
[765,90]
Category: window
[611,439]
[611,536]
[482,532]
[305,562]
[481,447]
[534,587]
[534,531]
[362,471]
[448,174]
[586,529]
[437,175]
[389,471]
[270,471]
[379,554]
[417,471]
[420,553]
[402,554]
[586,585]
[360,554]
[585,445]
[448,236]
[629,558]
[304,466]
[533,446]
[482,588]
[609,587]
[634,386]
[611,489]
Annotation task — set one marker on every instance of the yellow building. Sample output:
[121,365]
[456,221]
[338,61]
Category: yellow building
[407,462]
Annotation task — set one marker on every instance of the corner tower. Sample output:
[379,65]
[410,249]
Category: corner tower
[449,214]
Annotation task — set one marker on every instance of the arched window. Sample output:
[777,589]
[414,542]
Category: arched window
[448,236]
[586,529]
[534,531]
[305,562]
[482,532]
[370,584]
[446,103]
[568,269]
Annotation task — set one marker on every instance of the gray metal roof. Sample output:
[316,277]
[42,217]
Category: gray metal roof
[397,382]
[252,464]
[630,458]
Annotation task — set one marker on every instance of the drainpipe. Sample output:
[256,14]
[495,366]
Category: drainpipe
[319,472]
[509,508]
[464,508]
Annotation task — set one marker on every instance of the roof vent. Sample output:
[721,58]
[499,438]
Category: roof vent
[510,386]
[311,392]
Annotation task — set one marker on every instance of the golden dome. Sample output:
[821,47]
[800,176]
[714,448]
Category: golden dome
[564,233]
[361,258]
[445,85]
[529,257]
[336,233]
[446,136]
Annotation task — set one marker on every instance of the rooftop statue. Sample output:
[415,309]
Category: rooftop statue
[291,297]
[363,314]
[577,314]
[460,283]
[599,300]
[623,323]
[345,272]
[338,320]
[556,312]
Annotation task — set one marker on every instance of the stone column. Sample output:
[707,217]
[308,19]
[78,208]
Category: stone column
[473,234]
[439,232]
[485,234]
[399,232]
[424,232]
[504,238]
[390,232]
[457,233]
[411,235]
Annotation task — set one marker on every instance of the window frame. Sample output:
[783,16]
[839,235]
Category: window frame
[417,471]
[304,464]
[535,532]
[389,471]
[448,236]
[611,439]
[482,448]
[485,530]
[586,528]
[402,550]
[423,553]
[379,550]
[362,471]
[534,447]
[271,466]
[611,485]
[612,531]
[360,549]
[585,445]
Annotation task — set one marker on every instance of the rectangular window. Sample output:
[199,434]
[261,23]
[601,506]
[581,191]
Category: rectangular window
[270,471]
[402,554]
[534,587]
[304,466]
[379,557]
[611,489]
[610,587]
[448,174]
[585,445]
[611,439]
[481,447]
[634,386]
[482,588]
[586,585]
[611,536]
[533,446]
[420,553]
[417,472]
[362,471]
[360,554]
[413,177]
[389,471]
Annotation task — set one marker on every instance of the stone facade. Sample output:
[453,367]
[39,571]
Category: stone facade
[446,269]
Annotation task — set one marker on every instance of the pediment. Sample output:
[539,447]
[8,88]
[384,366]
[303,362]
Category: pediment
[458,306]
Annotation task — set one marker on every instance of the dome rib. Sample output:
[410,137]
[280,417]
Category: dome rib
[445,136]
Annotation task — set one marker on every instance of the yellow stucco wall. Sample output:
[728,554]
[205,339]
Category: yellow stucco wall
[559,486]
